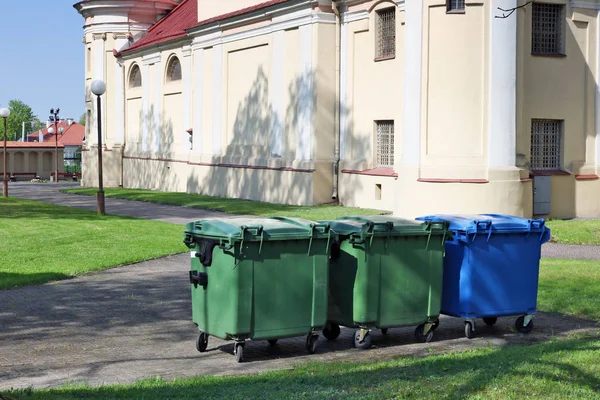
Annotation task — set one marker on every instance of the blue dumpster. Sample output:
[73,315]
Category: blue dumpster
[491,268]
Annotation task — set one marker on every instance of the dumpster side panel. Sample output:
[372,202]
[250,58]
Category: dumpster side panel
[342,275]
[367,284]
[498,277]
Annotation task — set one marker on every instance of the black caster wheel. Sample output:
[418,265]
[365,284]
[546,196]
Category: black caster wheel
[490,321]
[365,343]
[384,331]
[238,350]
[520,327]
[273,342]
[202,342]
[421,337]
[435,325]
[311,343]
[331,331]
[469,329]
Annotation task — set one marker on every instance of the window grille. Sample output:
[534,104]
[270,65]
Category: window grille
[455,5]
[174,70]
[547,29]
[546,144]
[135,77]
[386,33]
[385,143]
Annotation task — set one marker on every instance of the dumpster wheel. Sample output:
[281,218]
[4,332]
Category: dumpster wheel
[365,343]
[202,342]
[311,343]
[470,329]
[272,342]
[331,331]
[384,331]
[238,350]
[422,337]
[519,325]
[490,321]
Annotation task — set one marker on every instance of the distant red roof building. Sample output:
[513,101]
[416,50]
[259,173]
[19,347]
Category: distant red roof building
[72,135]
[32,145]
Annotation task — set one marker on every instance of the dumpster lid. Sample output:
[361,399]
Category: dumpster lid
[256,228]
[471,223]
[383,224]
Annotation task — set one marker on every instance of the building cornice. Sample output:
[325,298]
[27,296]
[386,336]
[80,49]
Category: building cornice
[90,8]
[590,5]
[152,58]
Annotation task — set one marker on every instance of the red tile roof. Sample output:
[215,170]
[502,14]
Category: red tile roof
[31,145]
[184,17]
[172,26]
[72,135]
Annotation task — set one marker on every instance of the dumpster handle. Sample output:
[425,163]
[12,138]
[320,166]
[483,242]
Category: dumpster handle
[489,235]
[258,229]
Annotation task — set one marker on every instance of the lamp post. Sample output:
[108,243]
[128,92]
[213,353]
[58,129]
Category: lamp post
[4,113]
[54,117]
[98,87]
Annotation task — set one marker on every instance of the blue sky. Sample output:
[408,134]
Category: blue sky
[42,56]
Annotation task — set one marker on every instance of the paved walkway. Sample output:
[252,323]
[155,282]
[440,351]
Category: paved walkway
[133,322]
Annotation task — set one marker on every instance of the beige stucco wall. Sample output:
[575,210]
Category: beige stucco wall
[41,161]
[562,88]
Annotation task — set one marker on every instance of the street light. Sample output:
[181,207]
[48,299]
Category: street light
[4,113]
[98,88]
[54,116]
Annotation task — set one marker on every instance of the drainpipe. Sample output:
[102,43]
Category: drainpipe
[338,110]
[124,123]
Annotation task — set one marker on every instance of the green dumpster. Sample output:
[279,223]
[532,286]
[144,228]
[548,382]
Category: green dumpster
[385,272]
[259,279]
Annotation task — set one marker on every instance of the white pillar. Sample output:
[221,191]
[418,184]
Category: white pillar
[217,99]
[158,84]
[502,102]
[344,112]
[198,100]
[413,72]
[186,72]
[145,105]
[277,93]
[304,128]
[119,98]
[597,108]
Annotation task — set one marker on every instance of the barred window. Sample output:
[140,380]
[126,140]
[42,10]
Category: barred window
[135,77]
[455,5]
[546,144]
[547,37]
[174,70]
[385,143]
[386,33]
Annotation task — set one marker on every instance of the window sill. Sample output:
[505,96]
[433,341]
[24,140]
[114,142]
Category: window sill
[463,11]
[587,177]
[551,55]
[440,180]
[380,171]
[549,172]
[376,59]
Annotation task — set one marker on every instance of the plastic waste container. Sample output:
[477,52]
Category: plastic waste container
[491,268]
[385,272]
[259,279]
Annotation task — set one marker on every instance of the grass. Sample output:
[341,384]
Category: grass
[570,287]
[230,206]
[575,232]
[42,242]
[554,370]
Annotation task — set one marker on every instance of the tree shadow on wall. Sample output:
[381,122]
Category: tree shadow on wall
[260,160]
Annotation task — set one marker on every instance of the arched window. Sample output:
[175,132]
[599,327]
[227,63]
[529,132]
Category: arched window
[135,77]
[174,70]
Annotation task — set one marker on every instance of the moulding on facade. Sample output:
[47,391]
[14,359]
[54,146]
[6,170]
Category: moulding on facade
[586,4]
[149,59]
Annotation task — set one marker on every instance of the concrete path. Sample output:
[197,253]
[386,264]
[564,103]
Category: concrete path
[134,322]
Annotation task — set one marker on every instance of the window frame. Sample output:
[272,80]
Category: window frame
[379,156]
[450,10]
[130,82]
[544,148]
[561,52]
[379,40]
[168,75]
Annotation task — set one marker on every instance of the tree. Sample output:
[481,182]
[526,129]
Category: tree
[36,124]
[82,119]
[19,113]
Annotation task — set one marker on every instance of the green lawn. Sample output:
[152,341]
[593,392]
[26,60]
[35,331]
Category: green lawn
[575,232]
[570,287]
[230,206]
[556,370]
[41,242]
